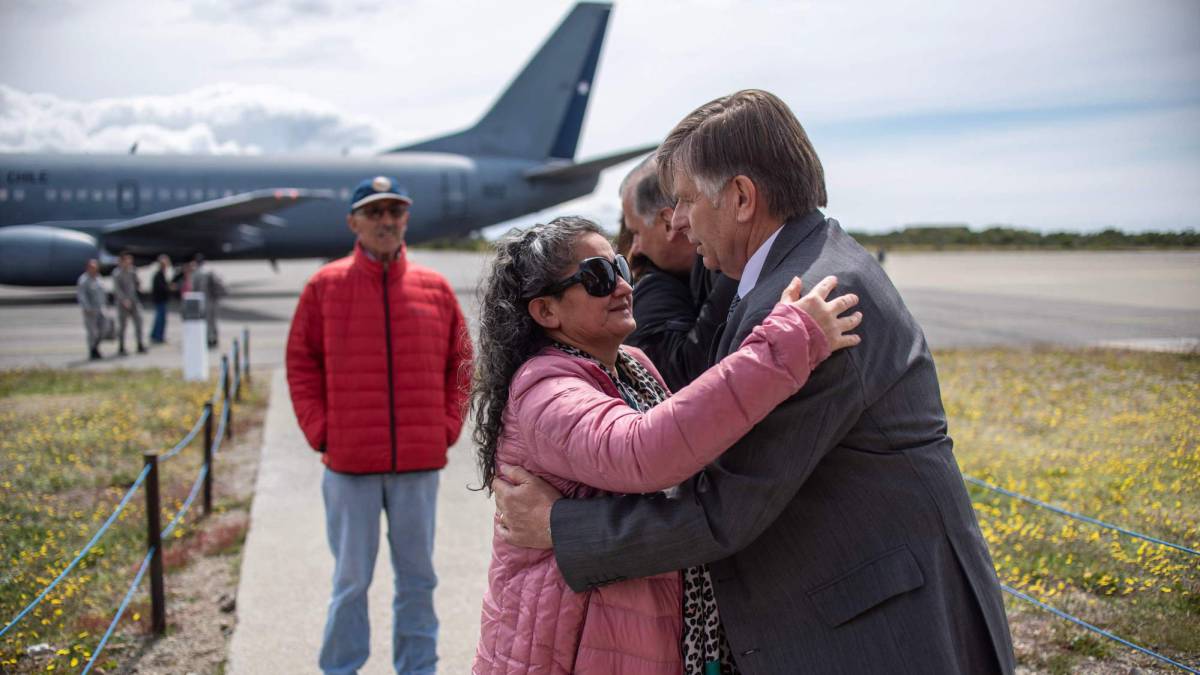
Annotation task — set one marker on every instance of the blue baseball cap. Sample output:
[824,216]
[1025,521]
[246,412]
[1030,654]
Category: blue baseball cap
[377,188]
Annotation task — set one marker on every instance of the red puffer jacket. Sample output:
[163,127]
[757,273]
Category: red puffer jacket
[378,363]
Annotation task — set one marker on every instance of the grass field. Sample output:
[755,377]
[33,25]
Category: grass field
[1113,435]
[71,444]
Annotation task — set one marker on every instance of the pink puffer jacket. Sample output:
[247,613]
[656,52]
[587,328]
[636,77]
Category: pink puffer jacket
[566,423]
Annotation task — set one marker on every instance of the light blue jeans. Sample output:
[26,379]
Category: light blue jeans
[352,507]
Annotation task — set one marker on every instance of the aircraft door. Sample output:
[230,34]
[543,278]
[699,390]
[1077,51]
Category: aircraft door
[127,197]
[454,193]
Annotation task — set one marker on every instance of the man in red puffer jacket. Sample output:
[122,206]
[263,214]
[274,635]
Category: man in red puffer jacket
[378,363]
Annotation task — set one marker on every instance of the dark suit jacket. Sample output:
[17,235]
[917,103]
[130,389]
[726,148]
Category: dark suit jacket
[838,532]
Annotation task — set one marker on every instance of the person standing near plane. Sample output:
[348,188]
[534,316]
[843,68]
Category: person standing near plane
[205,280]
[160,293]
[91,295]
[129,306]
[378,364]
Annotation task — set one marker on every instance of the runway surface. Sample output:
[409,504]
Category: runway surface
[1140,299]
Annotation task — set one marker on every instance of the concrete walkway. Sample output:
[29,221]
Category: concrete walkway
[287,566]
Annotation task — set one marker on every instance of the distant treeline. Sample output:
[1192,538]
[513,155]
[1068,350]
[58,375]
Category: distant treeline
[963,237]
[938,237]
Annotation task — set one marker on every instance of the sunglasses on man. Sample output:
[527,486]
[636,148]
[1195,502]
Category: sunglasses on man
[598,276]
[374,212]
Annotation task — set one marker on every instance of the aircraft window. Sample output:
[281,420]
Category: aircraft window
[97,195]
[18,195]
[211,193]
[128,195]
[197,194]
[3,195]
[147,195]
[66,195]
[181,194]
[81,195]
[51,195]
[164,195]
[227,193]
[110,195]
[344,194]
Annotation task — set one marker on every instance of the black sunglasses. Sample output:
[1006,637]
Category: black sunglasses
[598,276]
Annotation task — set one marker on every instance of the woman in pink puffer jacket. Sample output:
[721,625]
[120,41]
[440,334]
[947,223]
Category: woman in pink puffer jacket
[557,394]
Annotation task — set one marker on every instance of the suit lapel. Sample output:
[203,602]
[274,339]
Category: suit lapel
[793,232]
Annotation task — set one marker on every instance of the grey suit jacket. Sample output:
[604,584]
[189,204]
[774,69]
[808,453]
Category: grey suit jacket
[838,532]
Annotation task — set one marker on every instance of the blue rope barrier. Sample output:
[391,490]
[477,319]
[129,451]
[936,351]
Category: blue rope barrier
[87,547]
[1077,516]
[137,580]
[1095,629]
[187,503]
[186,439]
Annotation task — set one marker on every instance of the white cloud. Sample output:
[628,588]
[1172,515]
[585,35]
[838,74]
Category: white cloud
[220,119]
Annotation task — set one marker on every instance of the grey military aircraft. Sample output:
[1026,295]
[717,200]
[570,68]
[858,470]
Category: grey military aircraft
[57,211]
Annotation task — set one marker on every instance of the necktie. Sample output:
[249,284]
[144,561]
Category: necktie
[732,306]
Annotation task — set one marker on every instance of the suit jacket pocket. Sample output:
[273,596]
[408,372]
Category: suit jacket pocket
[867,585]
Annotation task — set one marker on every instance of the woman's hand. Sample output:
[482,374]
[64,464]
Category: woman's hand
[826,314]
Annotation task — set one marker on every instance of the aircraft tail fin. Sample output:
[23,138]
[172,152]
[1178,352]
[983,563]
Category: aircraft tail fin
[540,114]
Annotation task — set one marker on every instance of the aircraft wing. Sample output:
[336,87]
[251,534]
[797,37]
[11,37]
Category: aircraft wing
[565,170]
[230,223]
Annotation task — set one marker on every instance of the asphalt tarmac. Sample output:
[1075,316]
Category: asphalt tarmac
[1138,299]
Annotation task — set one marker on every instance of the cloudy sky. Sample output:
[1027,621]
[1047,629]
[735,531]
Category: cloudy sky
[1048,114]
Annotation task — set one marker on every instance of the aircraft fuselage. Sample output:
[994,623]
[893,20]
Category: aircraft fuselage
[452,194]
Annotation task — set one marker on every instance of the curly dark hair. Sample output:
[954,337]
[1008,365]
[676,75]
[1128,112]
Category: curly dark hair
[526,262]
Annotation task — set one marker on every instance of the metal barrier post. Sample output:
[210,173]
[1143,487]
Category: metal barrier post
[158,609]
[246,352]
[208,442]
[228,404]
[237,370]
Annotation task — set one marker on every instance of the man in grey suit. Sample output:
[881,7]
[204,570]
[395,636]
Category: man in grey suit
[838,532]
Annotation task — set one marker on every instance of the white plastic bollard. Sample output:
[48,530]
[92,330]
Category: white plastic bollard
[195,338]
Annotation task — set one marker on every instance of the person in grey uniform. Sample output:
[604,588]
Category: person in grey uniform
[839,534]
[206,281]
[129,305]
[90,294]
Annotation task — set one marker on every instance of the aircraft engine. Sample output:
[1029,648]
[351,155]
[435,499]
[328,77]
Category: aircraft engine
[35,255]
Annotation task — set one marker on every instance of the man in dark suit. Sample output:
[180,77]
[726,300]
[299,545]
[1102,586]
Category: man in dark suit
[838,532]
